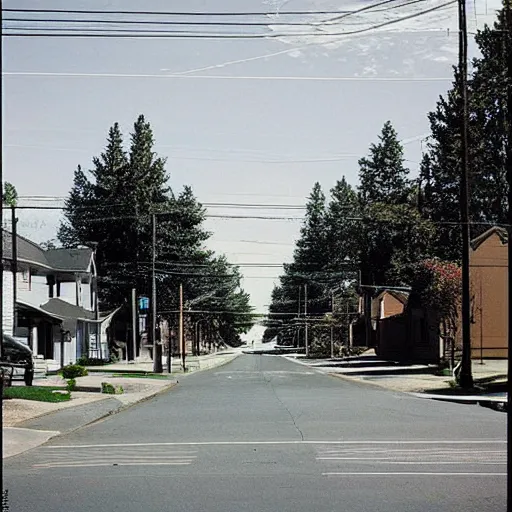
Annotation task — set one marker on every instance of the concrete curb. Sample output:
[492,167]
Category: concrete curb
[114,411]
[122,407]
[222,363]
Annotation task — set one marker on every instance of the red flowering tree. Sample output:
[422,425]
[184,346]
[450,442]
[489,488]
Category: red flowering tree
[437,285]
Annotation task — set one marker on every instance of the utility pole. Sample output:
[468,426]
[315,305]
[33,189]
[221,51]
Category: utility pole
[182,338]
[298,316]
[466,378]
[134,323]
[4,493]
[14,264]
[508,32]
[157,354]
[332,326]
[306,340]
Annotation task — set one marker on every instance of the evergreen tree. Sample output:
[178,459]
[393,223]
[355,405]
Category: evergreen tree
[111,207]
[342,226]
[487,133]
[309,267]
[383,176]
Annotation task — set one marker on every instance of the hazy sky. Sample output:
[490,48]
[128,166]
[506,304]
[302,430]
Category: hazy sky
[232,137]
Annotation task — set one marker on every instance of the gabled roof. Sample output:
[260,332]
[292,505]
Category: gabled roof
[64,309]
[479,240]
[78,260]
[65,260]
[28,251]
[401,296]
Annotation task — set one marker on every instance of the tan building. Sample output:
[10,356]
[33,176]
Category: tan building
[388,303]
[489,292]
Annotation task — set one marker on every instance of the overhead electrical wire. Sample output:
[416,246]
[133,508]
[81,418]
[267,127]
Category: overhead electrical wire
[342,15]
[202,13]
[198,35]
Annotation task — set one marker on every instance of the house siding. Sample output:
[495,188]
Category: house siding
[489,290]
[8,303]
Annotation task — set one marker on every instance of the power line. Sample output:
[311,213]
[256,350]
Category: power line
[198,35]
[342,15]
[230,77]
[167,22]
[195,13]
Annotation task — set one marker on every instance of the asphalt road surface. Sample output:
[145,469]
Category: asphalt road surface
[264,434]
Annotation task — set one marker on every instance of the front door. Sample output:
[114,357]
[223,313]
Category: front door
[45,340]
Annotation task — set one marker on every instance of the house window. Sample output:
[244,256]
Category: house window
[25,276]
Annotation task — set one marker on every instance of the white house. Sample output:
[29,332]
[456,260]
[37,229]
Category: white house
[53,299]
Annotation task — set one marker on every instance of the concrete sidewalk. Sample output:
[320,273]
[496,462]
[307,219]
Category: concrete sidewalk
[419,380]
[192,363]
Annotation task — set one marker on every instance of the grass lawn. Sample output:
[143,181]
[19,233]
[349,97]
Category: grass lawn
[38,393]
[141,375]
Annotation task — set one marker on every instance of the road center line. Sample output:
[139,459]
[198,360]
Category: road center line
[278,443]
[401,473]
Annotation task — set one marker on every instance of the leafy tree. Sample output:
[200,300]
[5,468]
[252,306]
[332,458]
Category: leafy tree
[10,195]
[436,286]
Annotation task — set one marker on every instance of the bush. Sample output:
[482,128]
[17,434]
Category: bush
[71,385]
[94,361]
[110,389]
[72,371]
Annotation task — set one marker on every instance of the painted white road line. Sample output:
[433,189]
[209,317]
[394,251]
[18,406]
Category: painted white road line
[412,474]
[278,443]
[95,465]
[423,463]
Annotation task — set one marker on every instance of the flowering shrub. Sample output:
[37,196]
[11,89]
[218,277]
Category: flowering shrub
[437,284]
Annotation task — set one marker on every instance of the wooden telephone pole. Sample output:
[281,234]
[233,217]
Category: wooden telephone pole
[466,377]
[157,348]
[508,32]
[182,337]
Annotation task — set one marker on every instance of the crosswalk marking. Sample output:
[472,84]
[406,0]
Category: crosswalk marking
[121,456]
[343,458]
[414,473]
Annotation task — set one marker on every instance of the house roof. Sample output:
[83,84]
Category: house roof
[66,260]
[64,309]
[398,295]
[70,259]
[28,251]
[402,297]
[479,240]
[22,305]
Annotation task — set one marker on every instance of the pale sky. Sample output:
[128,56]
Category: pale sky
[232,137]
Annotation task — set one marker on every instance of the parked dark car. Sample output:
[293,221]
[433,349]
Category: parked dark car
[19,356]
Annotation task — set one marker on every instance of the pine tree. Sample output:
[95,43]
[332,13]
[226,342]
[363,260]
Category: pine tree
[309,267]
[112,206]
[341,226]
[487,133]
[383,176]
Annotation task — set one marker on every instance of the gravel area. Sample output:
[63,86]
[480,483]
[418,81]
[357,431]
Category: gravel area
[15,411]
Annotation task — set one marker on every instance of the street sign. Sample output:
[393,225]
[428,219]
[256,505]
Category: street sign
[143,303]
